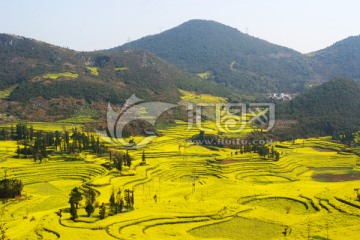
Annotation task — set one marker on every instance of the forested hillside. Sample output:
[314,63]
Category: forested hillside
[35,71]
[229,57]
[332,108]
[340,59]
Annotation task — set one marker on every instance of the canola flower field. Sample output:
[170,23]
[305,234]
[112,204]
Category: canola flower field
[201,193]
[188,191]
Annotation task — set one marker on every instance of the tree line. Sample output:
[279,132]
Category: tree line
[254,143]
[39,143]
[119,202]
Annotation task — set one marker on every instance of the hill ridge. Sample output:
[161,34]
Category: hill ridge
[207,46]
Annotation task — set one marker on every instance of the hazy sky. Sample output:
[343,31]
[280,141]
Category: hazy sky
[304,25]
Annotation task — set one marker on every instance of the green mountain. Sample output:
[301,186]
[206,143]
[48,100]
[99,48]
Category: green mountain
[228,56]
[340,59]
[45,82]
[55,81]
[332,108]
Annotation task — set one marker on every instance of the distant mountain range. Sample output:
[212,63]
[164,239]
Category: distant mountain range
[46,82]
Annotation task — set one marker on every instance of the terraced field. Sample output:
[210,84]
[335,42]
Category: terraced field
[200,192]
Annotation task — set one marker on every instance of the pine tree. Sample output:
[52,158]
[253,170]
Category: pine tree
[112,198]
[121,205]
[89,209]
[73,212]
[97,146]
[263,151]
[67,140]
[76,196]
[132,198]
[277,156]
[128,159]
[102,211]
[57,140]
[43,147]
[31,133]
[90,200]
[12,133]
[143,160]
[113,207]
[3,134]
[90,196]
[118,159]
[129,198]
[73,209]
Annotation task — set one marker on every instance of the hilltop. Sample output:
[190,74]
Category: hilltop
[340,59]
[228,56]
[225,55]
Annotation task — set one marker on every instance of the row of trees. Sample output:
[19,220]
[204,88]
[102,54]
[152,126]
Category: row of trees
[255,142]
[20,132]
[75,199]
[37,143]
[119,202]
[347,138]
[263,150]
[119,159]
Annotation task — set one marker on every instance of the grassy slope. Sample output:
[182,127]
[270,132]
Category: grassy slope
[340,59]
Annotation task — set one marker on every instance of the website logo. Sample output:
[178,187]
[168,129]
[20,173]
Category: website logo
[133,109]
